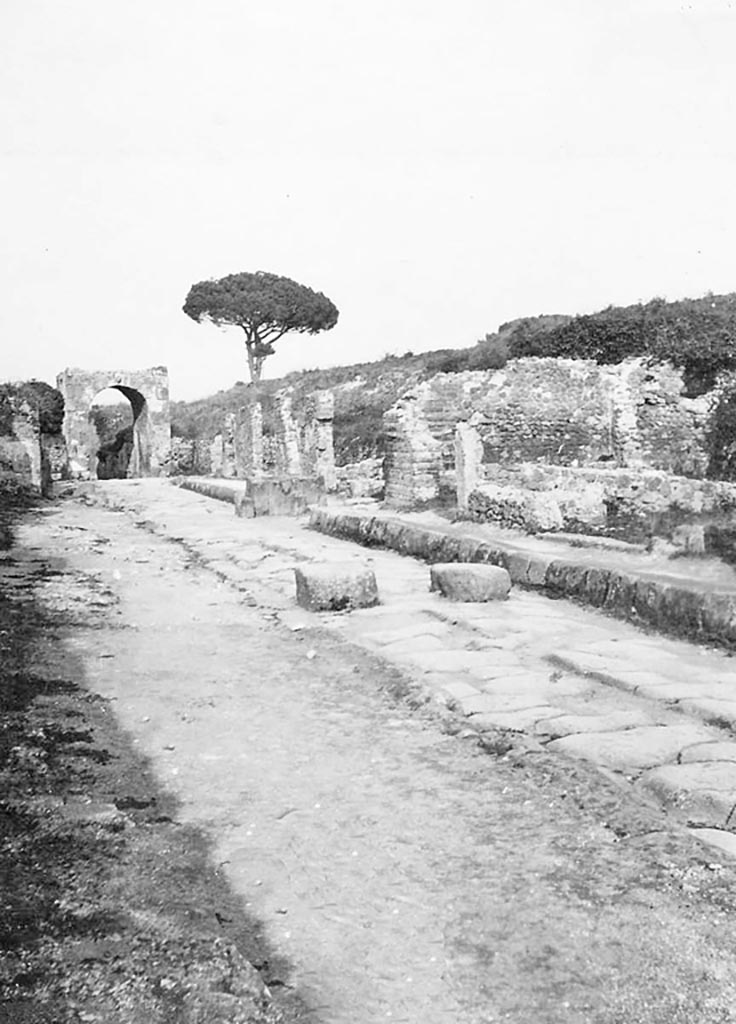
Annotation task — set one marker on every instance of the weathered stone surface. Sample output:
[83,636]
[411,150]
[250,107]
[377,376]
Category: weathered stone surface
[516,721]
[569,725]
[703,614]
[711,710]
[632,750]
[715,751]
[500,703]
[470,582]
[457,690]
[723,841]
[148,394]
[704,792]
[334,588]
[284,496]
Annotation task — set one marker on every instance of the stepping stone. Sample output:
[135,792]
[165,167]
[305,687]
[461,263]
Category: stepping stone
[335,587]
[470,581]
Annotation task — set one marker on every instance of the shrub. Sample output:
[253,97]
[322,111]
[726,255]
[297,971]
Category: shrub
[722,438]
[697,334]
[47,401]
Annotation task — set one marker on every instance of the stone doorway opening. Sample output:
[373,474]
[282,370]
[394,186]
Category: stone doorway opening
[135,441]
[120,441]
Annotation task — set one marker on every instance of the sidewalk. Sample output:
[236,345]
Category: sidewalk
[684,596]
[656,713]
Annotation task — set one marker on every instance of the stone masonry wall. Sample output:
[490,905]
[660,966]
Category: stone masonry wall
[268,436]
[420,431]
[561,412]
[28,457]
[148,392]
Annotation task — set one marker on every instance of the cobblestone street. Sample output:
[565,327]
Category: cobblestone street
[441,812]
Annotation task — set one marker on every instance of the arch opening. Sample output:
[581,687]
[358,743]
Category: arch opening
[119,427]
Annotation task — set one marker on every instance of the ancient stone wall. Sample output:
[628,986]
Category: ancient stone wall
[269,436]
[189,457]
[631,503]
[277,437]
[30,458]
[20,446]
[363,479]
[148,393]
[420,429]
[561,412]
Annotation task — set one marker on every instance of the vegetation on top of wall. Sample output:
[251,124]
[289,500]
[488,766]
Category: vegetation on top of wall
[696,334]
[109,420]
[722,438]
[46,400]
[363,392]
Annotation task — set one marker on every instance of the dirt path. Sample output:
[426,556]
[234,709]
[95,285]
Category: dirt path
[406,873]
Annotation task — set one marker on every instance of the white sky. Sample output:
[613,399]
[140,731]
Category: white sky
[434,167]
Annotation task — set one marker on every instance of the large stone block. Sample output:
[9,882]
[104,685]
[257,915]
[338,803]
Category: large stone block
[469,581]
[336,587]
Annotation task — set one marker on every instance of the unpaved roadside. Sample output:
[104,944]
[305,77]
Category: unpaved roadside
[111,911]
[406,873]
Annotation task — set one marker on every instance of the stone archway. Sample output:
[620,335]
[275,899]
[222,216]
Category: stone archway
[148,393]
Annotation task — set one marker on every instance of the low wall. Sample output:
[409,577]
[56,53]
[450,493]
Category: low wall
[616,502]
[268,496]
[362,479]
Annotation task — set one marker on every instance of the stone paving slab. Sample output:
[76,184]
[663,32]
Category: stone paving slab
[570,725]
[523,720]
[703,792]
[632,750]
[713,751]
[718,712]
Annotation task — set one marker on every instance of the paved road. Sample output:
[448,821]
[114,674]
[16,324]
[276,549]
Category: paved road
[407,872]
[660,713]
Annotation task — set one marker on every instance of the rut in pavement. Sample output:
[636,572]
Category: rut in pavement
[405,873]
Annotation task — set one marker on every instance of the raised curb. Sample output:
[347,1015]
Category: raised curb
[213,488]
[679,610]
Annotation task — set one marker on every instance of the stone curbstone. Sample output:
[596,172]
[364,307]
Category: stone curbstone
[673,609]
[470,581]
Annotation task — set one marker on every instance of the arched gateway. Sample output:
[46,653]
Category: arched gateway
[148,394]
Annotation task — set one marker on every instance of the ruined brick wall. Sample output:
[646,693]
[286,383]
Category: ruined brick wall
[631,503]
[546,410]
[285,435]
[20,447]
[188,457]
[562,412]
[21,463]
[420,431]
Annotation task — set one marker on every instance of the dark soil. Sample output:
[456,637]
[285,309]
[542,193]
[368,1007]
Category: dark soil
[111,910]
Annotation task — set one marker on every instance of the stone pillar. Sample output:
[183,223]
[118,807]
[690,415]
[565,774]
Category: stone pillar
[256,439]
[323,440]
[414,458]
[468,461]
[248,441]
[292,463]
[25,427]
[228,447]
[217,455]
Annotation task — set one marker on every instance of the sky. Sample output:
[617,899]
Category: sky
[434,168]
